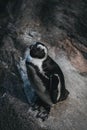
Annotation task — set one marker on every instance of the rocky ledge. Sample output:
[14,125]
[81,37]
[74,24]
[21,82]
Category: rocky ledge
[60,25]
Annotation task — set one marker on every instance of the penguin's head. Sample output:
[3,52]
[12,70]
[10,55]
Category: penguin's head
[38,50]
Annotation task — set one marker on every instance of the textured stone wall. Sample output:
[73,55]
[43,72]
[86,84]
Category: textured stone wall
[61,25]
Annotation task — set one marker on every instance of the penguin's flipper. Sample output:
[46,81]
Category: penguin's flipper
[54,81]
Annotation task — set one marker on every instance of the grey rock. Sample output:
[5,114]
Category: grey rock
[53,22]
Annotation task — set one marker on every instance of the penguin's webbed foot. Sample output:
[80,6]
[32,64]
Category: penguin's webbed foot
[42,114]
[41,109]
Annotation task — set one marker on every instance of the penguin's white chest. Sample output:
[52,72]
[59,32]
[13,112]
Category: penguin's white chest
[35,80]
[38,63]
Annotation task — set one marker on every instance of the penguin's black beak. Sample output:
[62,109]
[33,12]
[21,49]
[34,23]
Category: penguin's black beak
[27,62]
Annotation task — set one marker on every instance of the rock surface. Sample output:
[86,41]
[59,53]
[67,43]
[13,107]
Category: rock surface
[61,25]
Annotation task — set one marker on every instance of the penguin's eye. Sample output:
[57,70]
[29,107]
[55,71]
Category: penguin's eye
[31,46]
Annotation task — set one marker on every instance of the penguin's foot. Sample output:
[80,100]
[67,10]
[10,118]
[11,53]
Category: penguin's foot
[42,114]
[41,110]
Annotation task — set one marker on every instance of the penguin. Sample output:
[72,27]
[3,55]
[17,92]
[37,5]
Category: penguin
[45,75]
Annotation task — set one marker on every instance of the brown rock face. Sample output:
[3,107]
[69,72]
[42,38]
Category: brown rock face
[74,54]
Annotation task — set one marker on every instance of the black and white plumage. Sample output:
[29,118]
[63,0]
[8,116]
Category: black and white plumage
[45,75]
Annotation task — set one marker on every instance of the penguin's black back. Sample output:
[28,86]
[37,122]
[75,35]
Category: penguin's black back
[50,67]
